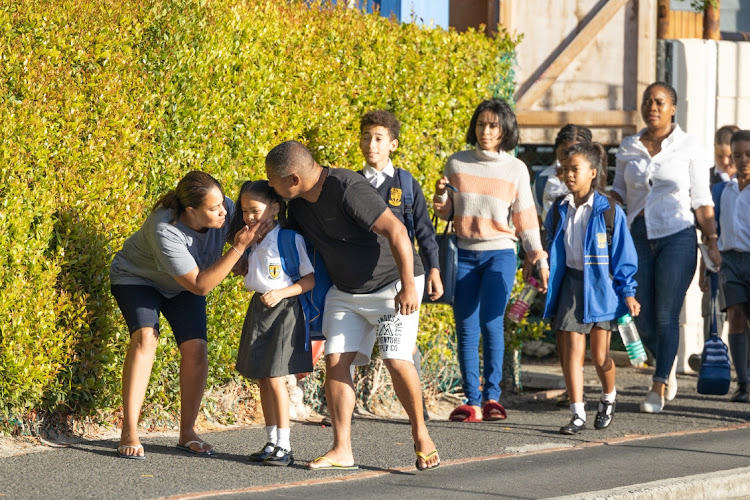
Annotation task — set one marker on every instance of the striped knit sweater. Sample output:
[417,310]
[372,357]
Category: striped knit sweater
[493,189]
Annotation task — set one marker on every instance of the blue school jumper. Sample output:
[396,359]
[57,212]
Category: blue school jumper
[608,270]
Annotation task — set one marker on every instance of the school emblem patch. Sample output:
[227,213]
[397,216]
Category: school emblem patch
[395,199]
[274,271]
[601,240]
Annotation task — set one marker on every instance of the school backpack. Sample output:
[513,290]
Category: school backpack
[407,195]
[715,375]
[609,218]
[313,301]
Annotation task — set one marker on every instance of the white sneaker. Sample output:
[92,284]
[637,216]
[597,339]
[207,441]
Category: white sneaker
[671,390]
[653,403]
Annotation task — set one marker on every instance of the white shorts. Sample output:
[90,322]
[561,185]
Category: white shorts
[352,322]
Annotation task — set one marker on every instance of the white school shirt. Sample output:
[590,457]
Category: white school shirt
[576,222]
[667,187]
[264,270]
[552,191]
[734,218]
[376,178]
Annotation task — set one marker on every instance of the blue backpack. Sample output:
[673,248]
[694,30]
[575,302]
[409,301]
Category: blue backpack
[313,301]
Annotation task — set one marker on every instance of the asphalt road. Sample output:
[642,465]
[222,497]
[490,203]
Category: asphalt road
[498,460]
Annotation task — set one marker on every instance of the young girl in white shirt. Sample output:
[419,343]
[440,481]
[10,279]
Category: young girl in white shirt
[582,249]
[274,341]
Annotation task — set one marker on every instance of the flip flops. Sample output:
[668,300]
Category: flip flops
[331,465]
[130,447]
[202,452]
[463,413]
[426,458]
[492,411]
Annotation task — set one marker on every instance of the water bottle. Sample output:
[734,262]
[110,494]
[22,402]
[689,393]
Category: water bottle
[518,309]
[631,339]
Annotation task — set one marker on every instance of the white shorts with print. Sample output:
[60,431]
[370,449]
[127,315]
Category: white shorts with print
[352,322]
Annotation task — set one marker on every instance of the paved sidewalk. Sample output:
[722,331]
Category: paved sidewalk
[522,457]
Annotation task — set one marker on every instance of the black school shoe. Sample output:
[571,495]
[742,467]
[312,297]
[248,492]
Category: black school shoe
[279,457]
[573,427]
[604,414]
[261,455]
[741,395]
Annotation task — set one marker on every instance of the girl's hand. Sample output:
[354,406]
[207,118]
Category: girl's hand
[271,298]
[440,186]
[544,278]
[633,306]
[714,254]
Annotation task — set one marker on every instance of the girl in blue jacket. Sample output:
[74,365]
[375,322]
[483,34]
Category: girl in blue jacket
[591,277]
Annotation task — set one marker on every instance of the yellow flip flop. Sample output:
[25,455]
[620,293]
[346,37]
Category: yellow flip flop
[331,465]
[426,458]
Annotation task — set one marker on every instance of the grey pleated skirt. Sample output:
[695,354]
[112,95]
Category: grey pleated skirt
[569,316]
[273,340]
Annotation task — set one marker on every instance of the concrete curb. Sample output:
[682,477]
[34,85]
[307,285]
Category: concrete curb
[734,483]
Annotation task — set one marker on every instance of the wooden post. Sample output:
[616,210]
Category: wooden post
[711,22]
[662,19]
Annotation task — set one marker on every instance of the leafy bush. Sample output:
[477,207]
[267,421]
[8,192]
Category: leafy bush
[105,104]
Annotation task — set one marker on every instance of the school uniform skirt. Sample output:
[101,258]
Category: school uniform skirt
[569,316]
[273,340]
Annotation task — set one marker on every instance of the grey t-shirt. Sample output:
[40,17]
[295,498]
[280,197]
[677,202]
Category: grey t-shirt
[339,225]
[161,249]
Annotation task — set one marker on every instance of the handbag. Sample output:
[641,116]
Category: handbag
[715,374]
[448,259]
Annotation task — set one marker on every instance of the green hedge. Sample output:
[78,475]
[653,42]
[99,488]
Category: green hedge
[105,104]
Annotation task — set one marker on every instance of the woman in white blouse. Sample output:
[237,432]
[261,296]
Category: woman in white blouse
[663,178]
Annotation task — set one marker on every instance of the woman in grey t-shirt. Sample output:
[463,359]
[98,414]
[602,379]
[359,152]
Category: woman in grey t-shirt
[168,266]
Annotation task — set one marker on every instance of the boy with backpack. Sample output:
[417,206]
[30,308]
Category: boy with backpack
[379,131]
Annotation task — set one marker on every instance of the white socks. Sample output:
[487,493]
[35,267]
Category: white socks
[271,438]
[283,438]
[579,409]
[609,397]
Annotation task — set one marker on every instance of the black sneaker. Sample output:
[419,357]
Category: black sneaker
[562,401]
[694,362]
[261,455]
[279,457]
[576,425]
[741,395]
[604,414]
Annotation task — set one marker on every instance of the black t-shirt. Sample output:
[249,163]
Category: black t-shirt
[339,224]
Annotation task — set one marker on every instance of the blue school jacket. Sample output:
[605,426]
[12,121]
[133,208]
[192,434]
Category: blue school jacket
[608,270]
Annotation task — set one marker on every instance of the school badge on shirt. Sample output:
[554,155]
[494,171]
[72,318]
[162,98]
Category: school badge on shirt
[274,271]
[395,199]
[601,240]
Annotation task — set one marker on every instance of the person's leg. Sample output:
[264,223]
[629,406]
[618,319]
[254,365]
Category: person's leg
[605,367]
[407,387]
[674,268]
[494,291]
[644,292]
[466,314]
[193,376]
[267,402]
[136,372]
[575,342]
[575,345]
[340,399]
[737,317]
[416,357]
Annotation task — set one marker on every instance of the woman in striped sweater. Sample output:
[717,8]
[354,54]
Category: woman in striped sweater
[493,190]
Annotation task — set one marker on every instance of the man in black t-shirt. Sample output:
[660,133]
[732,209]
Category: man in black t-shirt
[375,294]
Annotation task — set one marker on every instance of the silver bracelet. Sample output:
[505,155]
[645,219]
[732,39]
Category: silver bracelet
[238,252]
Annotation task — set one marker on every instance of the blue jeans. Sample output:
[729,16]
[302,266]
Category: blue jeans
[665,269]
[483,285]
